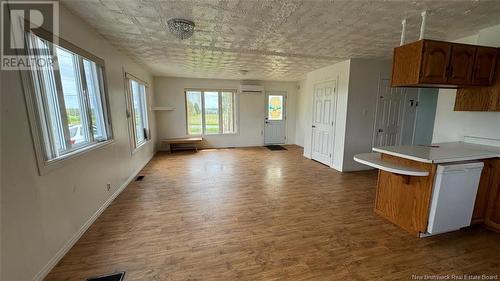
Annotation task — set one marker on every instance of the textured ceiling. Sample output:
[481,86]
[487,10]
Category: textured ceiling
[272,39]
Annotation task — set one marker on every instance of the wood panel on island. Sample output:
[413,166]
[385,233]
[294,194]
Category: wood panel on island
[492,213]
[404,198]
[405,201]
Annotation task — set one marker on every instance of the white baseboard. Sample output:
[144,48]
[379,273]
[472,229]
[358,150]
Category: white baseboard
[71,242]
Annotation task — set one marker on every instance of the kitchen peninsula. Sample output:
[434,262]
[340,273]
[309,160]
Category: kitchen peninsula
[407,192]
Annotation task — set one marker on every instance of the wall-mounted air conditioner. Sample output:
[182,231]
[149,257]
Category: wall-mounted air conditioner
[251,89]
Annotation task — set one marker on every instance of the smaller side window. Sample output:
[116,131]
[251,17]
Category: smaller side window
[138,111]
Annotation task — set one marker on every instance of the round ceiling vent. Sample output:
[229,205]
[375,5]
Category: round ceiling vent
[181,28]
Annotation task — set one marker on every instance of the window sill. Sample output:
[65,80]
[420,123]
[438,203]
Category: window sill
[141,145]
[46,167]
[213,135]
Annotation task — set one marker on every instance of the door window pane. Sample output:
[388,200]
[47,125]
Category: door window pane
[211,104]
[227,112]
[275,108]
[193,108]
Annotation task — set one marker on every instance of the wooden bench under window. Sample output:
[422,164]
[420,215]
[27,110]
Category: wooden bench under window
[183,143]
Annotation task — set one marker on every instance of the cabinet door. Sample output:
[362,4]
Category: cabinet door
[483,191]
[492,218]
[484,66]
[435,62]
[474,99]
[461,64]
[498,101]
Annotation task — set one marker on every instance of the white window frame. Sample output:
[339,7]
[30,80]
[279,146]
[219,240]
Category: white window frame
[235,111]
[134,144]
[42,140]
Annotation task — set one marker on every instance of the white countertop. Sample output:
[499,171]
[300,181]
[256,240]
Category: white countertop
[442,152]
[374,160]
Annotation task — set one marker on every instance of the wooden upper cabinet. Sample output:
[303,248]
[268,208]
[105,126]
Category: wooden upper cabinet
[461,64]
[485,98]
[406,64]
[435,62]
[430,63]
[484,66]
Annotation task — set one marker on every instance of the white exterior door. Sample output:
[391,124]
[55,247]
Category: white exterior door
[325,98]
[395,117]
[275,120]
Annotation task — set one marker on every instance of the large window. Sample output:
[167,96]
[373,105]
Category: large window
[67,100]
[210,112]
[138,110]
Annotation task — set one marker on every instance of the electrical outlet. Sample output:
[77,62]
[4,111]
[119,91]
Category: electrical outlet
[108,186]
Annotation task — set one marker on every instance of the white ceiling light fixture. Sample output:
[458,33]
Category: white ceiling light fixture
[181,28]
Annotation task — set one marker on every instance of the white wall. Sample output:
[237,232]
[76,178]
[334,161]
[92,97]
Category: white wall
[357,88]
[454,125]
[338,72]
[300,121]
[364,78]
[42,215]
[426,115]
[251,110]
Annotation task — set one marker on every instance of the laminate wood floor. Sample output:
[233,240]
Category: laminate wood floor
[255,214]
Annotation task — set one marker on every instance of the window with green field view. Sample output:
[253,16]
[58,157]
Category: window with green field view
[210,112]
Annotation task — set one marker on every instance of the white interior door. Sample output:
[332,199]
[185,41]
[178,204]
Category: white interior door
[395,118]
[325,98]
[275,120]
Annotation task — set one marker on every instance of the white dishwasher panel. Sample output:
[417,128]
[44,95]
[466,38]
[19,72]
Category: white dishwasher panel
[453,196]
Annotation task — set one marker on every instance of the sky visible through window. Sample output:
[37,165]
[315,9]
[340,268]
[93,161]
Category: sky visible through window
[212,104]
[66,66]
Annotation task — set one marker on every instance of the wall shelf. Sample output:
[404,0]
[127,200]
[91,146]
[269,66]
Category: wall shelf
[163,108]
